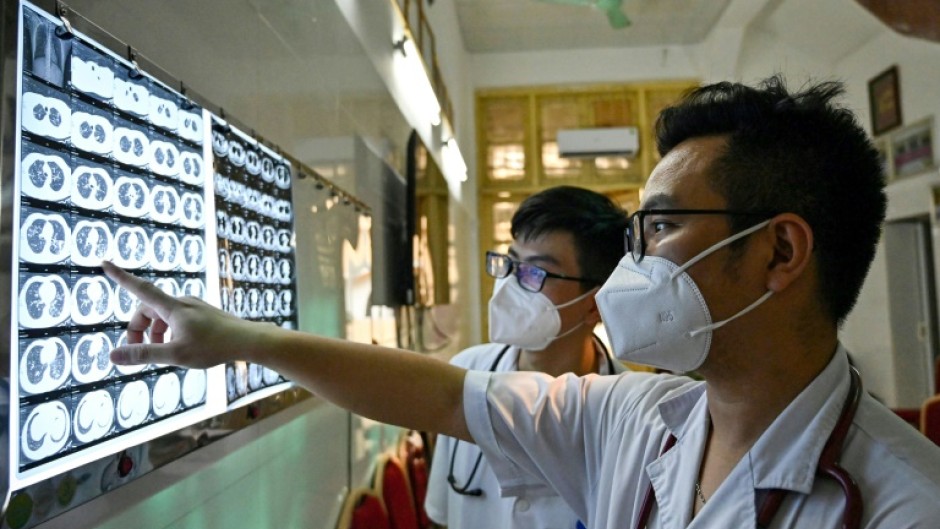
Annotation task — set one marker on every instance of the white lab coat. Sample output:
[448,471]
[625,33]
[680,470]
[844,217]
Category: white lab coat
[541,509]
[597,441]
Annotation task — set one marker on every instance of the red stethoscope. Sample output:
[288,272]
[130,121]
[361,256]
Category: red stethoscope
[828,466]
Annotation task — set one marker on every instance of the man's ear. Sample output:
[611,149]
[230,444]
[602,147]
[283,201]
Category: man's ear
[594,314]
[792,250]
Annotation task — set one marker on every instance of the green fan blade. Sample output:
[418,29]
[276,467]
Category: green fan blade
[617,19]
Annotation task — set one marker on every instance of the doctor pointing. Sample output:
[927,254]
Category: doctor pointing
[755,235]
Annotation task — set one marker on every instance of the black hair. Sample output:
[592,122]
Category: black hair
[796,153]
[595,222]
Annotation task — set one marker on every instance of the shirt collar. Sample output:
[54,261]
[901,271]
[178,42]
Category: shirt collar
[677,411]
[787,453]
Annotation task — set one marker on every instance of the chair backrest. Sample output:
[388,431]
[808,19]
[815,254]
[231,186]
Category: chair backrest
[910,415]
[930,418]
[420,474]
[412,452]
[363,509]
[391,484]
[936,376]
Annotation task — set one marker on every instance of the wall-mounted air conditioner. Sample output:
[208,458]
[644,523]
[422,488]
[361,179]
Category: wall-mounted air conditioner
[594,143]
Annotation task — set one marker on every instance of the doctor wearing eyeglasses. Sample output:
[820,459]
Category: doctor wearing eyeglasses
[746,255]
[542,314]
[753,241]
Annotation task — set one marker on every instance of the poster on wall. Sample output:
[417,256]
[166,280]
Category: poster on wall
[912,149]
[109,166]
[255,238]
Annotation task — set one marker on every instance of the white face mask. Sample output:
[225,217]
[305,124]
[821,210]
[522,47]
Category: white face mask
[656,315]
[526,319]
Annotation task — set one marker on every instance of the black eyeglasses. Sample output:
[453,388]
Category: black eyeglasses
[530,276]
[639,224]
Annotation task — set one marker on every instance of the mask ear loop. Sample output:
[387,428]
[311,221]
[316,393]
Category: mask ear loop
[708,251]
[711,249]
[577,299]
[569,331]
[568,304]
[742,312]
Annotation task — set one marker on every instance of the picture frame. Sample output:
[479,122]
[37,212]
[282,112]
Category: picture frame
[911,149]
[884,99]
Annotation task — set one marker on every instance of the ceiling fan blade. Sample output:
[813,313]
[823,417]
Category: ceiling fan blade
[617,18]
[612,8]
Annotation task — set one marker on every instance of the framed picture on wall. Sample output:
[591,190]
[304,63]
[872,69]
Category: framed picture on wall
[912,149]
[884,98]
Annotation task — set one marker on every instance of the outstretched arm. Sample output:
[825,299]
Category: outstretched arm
[388,385]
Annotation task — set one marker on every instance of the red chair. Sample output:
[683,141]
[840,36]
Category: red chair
[930,418]
[411,450]
[910,415]
[363,509]
[936,377]
[391,484]
[420,474]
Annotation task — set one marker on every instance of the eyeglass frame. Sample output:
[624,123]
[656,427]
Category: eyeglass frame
[515,264]
[636,220]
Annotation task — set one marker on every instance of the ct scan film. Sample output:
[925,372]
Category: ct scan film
[111,165]
[109,162]
[254,221]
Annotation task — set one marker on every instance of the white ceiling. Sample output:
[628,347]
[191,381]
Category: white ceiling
[828,29]
[490,26]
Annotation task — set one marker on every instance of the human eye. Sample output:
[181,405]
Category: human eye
[659,223]
[530,276]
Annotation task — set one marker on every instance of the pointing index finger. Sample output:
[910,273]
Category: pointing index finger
[147,292]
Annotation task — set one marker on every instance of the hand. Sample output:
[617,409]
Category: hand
[202,335]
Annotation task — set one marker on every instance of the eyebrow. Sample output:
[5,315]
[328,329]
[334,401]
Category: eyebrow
[659,201]
[537,259]
[534,259]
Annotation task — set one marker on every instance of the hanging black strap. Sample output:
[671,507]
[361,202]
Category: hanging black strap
[465,490]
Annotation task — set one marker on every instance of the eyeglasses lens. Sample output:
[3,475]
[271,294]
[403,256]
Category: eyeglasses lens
[497,265]
[530,277]
[637,242]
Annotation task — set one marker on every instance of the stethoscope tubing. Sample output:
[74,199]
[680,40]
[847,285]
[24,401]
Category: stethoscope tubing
[465,490]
